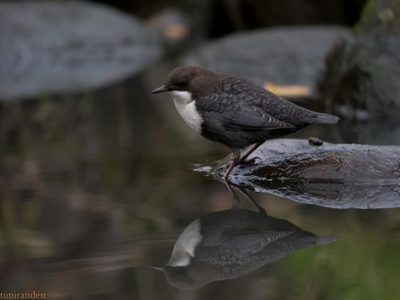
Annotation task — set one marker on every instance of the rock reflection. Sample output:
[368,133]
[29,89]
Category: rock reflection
[232,243]
[337,176]
[333,194]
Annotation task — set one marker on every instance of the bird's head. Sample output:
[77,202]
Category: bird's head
[189,80]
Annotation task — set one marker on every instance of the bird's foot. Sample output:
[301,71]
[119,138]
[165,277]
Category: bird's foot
[250,161]
[229,167]
[236,161]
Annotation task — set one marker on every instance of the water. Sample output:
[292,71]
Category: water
[96,189]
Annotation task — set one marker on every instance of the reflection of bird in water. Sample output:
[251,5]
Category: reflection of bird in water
[234,111]
[232,243]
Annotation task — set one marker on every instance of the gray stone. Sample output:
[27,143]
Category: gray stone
[363,72]
[286,56]
[338,176]
[62,47]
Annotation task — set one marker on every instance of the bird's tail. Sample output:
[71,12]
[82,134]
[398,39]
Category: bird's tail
[324,240]
[320,118]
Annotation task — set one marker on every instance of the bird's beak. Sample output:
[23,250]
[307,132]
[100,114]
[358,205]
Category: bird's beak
[161,89]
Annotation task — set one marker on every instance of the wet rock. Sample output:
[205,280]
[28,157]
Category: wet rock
[62,47]
[339,176]
[293,158]
[285,56]
[380,15]
[333,194]
[363,71]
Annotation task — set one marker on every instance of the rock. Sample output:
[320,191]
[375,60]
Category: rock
[338,176]
[63,47]
[363,71]
[284,56]
[380,15]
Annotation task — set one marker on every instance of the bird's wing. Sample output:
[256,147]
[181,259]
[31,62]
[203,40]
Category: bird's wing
[238,115]
[238,246]
[252,242]
[240,105]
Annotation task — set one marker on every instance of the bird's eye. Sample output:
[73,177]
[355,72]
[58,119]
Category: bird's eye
[181,85]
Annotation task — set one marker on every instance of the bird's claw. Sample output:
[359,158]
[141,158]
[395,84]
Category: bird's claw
[250,161]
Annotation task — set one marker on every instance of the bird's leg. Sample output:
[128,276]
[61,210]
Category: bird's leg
[235,198]
[253,201]
[234,162]
[248,152]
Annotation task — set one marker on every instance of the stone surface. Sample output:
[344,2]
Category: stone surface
[380,15]
[363,72]
[61,47]
[338,176]
[284,56]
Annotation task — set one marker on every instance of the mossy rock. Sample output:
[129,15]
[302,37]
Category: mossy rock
[362,72]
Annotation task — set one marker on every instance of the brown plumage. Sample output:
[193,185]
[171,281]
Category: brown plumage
[234,111]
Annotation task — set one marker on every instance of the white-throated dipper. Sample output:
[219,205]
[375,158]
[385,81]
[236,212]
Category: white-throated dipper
[234,111]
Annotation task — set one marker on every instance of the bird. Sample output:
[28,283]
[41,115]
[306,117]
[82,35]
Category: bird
[234,111]
[230,244]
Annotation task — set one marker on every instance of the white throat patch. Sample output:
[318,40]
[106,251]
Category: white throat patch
[185,105]
[185,245]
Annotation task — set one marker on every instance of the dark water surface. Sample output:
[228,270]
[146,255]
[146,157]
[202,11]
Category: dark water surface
[95,189]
